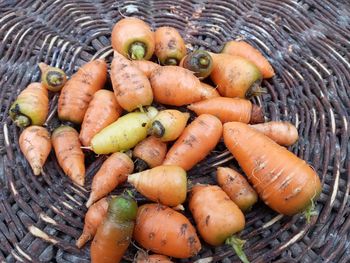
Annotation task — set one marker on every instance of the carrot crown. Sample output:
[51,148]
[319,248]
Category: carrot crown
[122,208]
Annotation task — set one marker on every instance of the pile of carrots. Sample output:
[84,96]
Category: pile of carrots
[164,145]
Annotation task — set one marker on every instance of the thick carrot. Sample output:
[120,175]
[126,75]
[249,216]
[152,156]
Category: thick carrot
[235,76]
[284,133]
[236,187]
[170,47]
[78,91]
[195,143]
[165,184]
[169,124]
[165,231]
[131,87]
[146,67]
[65,141]
[150,151]
[199,62]
[283,181]
[208,92]
[102,111]
[229,109]
[243,49]
[93,218]
[177,86]
[52,78]
[114,234]
[113,172]
[133,38]
[143,257]
[35,144]
[31,106]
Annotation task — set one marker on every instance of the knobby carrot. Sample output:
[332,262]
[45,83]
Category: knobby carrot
[146,67]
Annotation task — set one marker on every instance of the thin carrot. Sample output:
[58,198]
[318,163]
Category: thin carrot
[195,143]
[113,172]
[65,141]
[283,181]
[35,144]
[78,91]
[146,67]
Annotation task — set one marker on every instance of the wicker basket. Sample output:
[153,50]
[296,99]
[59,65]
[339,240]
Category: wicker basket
[307,41]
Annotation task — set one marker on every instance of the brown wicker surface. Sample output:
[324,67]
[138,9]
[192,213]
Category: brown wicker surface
[308,43]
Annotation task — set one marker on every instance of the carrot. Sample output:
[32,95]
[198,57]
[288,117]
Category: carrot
[103,110]
[236,76]
[200,62]
[283,181]
[216,216]
[35,144]
[284,133]
[164,184]
[165,231]
[170,47]
[133,38]
[236,187]
[93,218]
[143,257]
[229,109]
[196,141]
[177,86]
[169,124]
[146,67]
[124,133]
[208,92]
[31,106]
[78,91]
[114,234]
[151,152]
[52,78]
[243,49]
[70,157]
[113,172]
[131,87]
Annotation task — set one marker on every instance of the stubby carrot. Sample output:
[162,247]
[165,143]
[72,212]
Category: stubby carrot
[133,38]
[170,47]
[283,181]
[35,144]
[113,172]
[102,111]
[146,67]
[143,257]
[284,133]
[93,218]
[229,109]
[65,141]
[236,187]
[31,106]
[52,78]
[244,49]
[195,143]
[165,231]
[79,89]
[199,62]
[131,87]
[177,86]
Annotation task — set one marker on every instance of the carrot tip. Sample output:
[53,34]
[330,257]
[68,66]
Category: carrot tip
[82,240]
[86,148]
[43,67]
[90,201]
[37,170]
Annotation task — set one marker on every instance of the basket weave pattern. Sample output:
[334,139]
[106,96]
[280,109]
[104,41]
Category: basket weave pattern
[307,42]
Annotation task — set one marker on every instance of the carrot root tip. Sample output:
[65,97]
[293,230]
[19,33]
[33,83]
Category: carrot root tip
[237,244]
[82,240]
[37,170]
[137,50]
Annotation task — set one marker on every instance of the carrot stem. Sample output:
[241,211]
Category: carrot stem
[310,211]
[255,90]
[171,62]
[22,121]
[137,51]
[237,244]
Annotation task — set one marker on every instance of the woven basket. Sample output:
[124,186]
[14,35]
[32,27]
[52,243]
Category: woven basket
[307,41]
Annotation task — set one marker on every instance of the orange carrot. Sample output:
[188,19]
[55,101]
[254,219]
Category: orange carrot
[131,87]
[35,144]
[113,172]
[146,67]
[236,187]
[229,109]
[283,181]
[165,184]
[78,91]
[284,133]
[102,111]
[209,92]
[65,141]
[143,257]
[196,141]
[243,49]
[150,151]
[165,231]
[93,218]
[177,86]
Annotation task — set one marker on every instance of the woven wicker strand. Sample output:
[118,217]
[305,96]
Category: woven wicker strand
[307,41]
